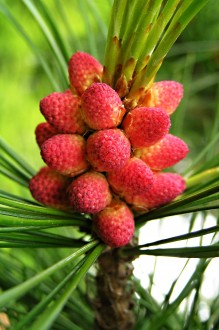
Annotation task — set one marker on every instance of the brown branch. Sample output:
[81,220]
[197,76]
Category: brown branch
[114,303]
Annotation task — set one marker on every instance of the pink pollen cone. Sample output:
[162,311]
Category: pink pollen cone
[65,153]
[83,70]
[115,224]
[102,107]
[146,126]
[43,132]
[165,153]
[108,150]
[89,193]
[62,111]
[134,178]
[166,187]
[49,188]
[164,94]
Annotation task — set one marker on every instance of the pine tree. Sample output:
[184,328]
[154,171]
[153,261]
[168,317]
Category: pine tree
[56,272]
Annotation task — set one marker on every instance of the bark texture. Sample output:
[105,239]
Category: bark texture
[114,303]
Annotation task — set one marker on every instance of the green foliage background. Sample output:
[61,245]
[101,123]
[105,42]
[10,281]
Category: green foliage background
[193,60]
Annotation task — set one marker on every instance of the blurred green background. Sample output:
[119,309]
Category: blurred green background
[193,61]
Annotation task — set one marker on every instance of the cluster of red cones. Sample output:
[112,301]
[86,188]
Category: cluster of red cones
[102,159]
